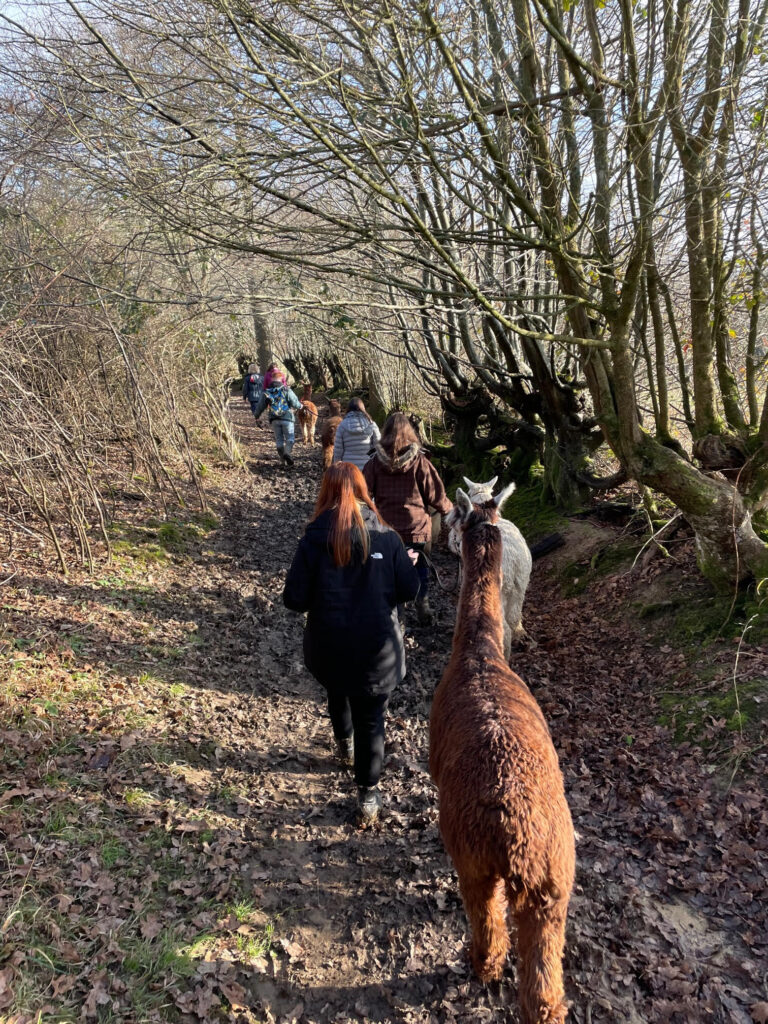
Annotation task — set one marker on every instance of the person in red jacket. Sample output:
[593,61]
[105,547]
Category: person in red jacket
[404,486]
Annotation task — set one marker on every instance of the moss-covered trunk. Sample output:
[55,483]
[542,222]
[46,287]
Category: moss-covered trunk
[339,376]
[728,549]
[464,414]
[563,459]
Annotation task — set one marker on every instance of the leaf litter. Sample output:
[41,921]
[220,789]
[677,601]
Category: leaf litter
[178,836]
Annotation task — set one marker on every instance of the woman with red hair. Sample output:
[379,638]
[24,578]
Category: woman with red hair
[349,573]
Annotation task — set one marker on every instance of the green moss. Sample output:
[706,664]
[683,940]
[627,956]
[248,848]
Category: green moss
[697,717]
[440,437]
[702,620]
[577,576]
[654,608]
[147,554]
[208,521]
[760,524]
[177,536]
[705,617]
[155,539]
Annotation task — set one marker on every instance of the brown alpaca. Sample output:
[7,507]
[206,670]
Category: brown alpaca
[503,815]
[328,431]
[307,416]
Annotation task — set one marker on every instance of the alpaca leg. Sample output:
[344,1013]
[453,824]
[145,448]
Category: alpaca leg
[507,640]
[540,944]
[312,424]
[486,905]
[514,632]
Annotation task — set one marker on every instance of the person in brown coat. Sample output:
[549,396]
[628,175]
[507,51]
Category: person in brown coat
[404,486]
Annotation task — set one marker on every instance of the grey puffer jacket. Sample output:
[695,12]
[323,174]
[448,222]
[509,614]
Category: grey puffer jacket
[355,438]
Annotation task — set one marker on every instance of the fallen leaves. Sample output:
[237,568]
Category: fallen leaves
[7,975]
[151,927]
[236,995]
[177,829]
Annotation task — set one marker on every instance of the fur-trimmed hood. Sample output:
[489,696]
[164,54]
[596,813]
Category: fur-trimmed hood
[401,461]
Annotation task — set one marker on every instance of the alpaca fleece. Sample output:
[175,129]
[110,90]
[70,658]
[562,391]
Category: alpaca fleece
[516,564]
[328,432]
[503,815]
[307,416]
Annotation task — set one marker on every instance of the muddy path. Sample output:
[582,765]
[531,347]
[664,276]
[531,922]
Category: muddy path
[179,837]
[664,910]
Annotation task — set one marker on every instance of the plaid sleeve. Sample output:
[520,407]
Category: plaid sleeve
[434,491]
[369,475]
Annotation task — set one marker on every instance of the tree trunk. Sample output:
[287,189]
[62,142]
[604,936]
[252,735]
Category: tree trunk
[264,353]
[338,374]
[563,459]
[728,550]
[465,413]
[376,406]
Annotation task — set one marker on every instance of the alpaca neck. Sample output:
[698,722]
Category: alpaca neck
[479,621]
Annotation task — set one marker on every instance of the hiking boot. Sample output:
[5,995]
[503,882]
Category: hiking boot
[346,751]
[281,455]
[424,614]
[288,460]
[368,804]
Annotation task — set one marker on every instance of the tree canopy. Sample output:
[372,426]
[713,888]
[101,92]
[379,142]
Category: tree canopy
[549,214]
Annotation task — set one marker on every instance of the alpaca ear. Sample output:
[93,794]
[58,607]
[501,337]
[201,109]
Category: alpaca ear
[502,496]
[463,504]
[491,483]
[469,483]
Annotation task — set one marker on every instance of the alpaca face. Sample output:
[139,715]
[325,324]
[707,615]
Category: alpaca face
[475,501]
[455,520]
[480,493]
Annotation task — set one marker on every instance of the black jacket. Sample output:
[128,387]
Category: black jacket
[353,641]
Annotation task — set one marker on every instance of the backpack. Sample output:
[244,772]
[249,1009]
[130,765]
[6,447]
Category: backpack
[255,382]
[277,399]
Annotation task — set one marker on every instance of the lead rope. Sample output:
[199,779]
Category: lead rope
[433,567]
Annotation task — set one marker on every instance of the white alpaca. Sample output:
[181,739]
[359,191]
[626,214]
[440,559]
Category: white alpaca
[516,555]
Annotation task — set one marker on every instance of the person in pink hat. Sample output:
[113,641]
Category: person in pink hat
[281,402]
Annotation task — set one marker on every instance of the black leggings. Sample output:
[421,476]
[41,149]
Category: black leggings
[363,716]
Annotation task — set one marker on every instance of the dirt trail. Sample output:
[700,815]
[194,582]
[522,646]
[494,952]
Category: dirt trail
[194,810]
[656,930]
